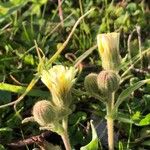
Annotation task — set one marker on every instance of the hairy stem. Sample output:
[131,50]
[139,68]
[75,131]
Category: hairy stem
[66,141]
[110,128]
[110,123]
[64,135]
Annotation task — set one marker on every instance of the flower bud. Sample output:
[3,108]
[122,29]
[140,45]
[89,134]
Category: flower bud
[90,83]
[43,113]
[108,81]
[60,80]
[108,47]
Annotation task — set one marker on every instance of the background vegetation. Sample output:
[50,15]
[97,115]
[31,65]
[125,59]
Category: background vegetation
[24,22]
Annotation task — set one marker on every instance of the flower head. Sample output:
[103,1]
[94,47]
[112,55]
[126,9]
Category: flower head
[108,47]
[59,79]
[108,81]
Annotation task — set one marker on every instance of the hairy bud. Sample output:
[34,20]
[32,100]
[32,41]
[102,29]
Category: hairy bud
[108,81]
[90,83]
[44,113]
[91,86]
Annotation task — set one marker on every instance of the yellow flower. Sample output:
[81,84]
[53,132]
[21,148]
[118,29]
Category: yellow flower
[108,47]
[59,79]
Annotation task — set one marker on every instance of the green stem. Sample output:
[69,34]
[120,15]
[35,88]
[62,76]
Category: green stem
[110,123]
[64,135]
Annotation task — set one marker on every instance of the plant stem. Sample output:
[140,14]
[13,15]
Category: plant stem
[138,29]
[64,135]
[110,123]
[65,139]
[110,128]
[60,12]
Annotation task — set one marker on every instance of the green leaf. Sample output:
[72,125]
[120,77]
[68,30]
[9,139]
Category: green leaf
[5,97]
[85,27]
[128,91]
[16,2]
[124,118]
[146,143]
[36,9]
[131,7]
[145,121]
[135,119]
[93,145]
[21,90]
[2,147]
[6,129]
[76,135]
[120,146]
[136,115]
[28,59]
[8,8]
[77,117]
[41,2]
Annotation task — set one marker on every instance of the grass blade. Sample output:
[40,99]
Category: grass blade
[128,91]
[22,89]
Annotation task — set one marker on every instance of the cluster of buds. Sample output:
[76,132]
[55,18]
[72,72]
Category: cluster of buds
[107,81]
[102,85]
